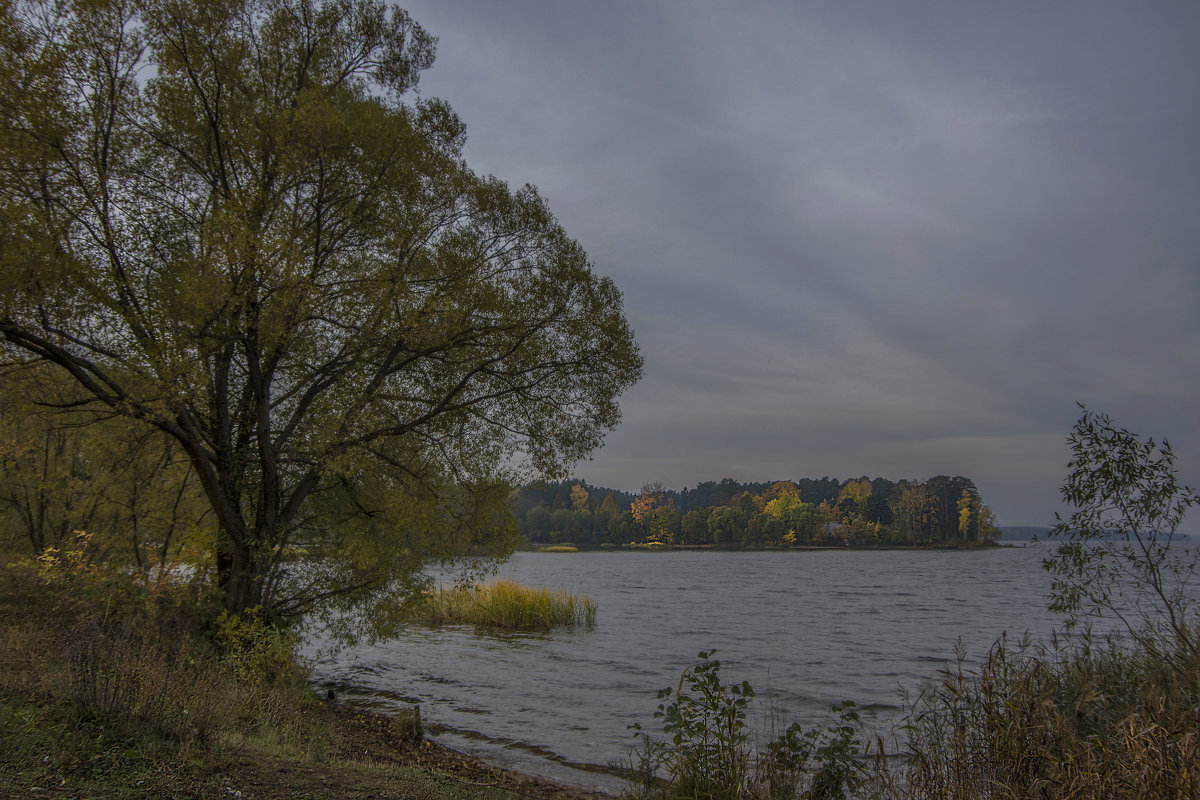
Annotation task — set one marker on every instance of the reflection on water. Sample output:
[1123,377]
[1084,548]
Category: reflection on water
[816,627]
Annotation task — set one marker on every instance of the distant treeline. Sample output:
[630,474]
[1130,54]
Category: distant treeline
[780,514]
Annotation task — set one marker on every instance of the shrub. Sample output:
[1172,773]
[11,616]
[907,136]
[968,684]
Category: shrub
[708,755]
[1118,554]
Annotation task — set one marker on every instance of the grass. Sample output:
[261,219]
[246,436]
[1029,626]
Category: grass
[507,604]
[559,548]
[111,688]
[1097,720]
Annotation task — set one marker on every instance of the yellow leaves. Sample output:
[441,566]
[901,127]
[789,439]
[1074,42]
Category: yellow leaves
[857,491]
[783,489]
[579,497]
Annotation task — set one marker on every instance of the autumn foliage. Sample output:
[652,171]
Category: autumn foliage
[858,511]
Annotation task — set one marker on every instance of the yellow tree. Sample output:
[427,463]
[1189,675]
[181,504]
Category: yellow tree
[652,509]
[969,518]
[854,495]
[579,497]
[782,489]
[915,512]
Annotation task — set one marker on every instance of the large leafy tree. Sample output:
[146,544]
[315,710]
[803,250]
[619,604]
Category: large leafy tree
[232,221]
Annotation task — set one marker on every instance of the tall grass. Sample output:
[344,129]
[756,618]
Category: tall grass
[141,657]
[506,604]
[1098,720]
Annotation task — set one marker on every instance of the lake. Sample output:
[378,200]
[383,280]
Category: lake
[812,627]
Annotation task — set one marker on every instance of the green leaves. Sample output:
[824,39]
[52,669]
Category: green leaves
[229,224]
[1119,556]
[708,757]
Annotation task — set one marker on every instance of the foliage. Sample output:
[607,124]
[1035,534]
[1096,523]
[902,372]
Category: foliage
[127,651]
[233,223]
[708,753]
[654,511]
[64,470]
[1119,555]
[505,604]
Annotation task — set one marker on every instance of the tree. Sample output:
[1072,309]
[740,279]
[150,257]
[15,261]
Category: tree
[225,221]
[610,507]
[1119,555]
[652,509]
[969,516]
[694,526]
[915,512]
[987,524]
[945,493]
[724,525]
[793,516]
[579,497]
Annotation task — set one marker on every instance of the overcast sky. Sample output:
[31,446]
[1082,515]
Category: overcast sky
[893,239]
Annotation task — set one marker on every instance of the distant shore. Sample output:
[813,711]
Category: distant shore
[655,547]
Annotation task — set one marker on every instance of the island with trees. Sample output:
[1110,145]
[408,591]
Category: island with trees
[862,511]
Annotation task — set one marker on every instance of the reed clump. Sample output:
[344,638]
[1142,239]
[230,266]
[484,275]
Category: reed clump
[1098,720]
[506,604]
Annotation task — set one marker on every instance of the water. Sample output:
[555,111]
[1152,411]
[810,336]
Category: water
[816,627]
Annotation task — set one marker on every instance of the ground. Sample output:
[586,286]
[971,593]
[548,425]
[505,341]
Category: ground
[369,758]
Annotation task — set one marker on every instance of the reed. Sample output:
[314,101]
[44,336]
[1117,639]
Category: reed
[559,548]
[506,604]
[1098,720]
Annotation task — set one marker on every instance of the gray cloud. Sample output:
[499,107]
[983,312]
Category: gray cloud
[863,238]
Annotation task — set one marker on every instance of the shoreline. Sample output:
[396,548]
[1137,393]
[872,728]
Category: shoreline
[470,750]
[541,547]
[365,724]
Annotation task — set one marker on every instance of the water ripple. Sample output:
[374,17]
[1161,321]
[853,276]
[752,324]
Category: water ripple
[816,627]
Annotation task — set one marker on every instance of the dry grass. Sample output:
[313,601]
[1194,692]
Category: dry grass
[1098,721]
[143,657]
[507,604]
[111,688]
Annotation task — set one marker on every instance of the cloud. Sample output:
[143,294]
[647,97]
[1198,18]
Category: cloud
[869,238]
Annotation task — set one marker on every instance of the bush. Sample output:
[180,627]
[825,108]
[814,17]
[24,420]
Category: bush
[1119,555]
[708,755]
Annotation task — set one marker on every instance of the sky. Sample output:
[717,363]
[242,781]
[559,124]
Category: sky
[862,238]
